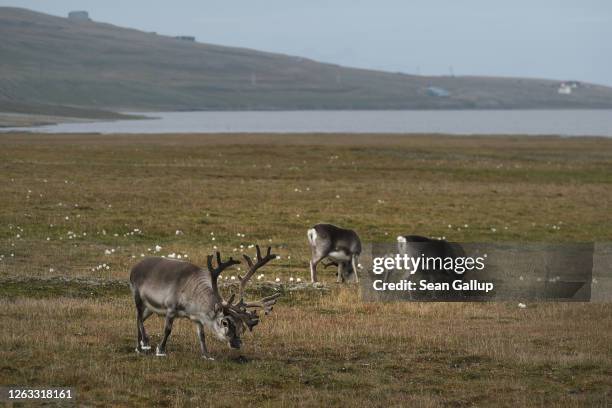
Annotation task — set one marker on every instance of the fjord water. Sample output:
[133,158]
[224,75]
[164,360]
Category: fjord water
[480,122]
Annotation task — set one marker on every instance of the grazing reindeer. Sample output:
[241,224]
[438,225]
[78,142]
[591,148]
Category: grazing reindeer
[341,245]
[174,288]
[415,246]
[434,247]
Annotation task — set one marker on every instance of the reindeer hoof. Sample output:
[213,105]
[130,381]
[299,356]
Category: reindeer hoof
[144,347]
[210,358]
[159,353]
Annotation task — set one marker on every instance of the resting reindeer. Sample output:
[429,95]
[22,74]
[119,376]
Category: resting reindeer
[341,245]
[174,288]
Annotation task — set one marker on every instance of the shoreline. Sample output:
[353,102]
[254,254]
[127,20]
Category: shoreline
[528,123]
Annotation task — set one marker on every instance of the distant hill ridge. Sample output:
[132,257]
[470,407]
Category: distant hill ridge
[50,61]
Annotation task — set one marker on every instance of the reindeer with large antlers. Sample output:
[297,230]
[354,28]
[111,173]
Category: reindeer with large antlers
[173,288]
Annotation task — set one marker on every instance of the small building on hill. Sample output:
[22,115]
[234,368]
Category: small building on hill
[79,15]
[564,89]
[189,38]
[437,91]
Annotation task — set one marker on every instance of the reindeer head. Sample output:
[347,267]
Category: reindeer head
[226,328]
[233,318]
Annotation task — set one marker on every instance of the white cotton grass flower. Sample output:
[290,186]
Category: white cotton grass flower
[107,252]
[291,279]
[298,280]
[51,270]
[178,232]
[277,280]
[522,306]
[233,277]
[157,248]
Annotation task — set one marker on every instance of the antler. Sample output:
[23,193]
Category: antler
[215,272]
[266,303]
[221,266]
[240,310]
[250,318]
[254,267]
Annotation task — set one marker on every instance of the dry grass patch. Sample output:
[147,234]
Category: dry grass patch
[88,193]
[326,351]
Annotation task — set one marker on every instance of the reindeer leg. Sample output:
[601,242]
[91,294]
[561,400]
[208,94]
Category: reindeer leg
[202,339]
[340,277]
[161,348]
[139,328]
[144,340]
[355,263]
[313,268]
[141,315]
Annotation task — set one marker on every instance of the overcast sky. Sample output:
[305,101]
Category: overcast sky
[543,38]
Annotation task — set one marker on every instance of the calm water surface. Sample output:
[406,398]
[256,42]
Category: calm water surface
[523,122]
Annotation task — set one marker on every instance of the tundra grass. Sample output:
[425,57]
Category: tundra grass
[78,210]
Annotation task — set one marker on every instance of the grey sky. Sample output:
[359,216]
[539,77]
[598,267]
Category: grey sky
[544,38]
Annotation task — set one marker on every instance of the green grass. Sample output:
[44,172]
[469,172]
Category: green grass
[66,322]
